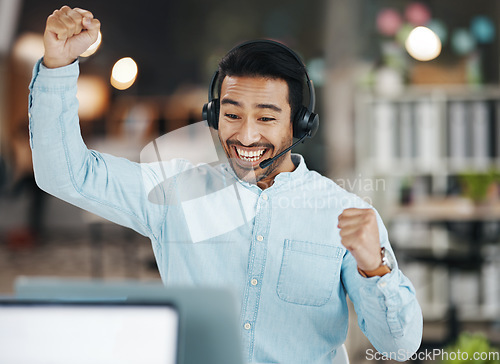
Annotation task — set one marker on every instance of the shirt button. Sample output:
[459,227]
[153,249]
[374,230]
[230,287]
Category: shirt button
[264,197]
[382,284]
[254,282]
[260,238]
[247,326]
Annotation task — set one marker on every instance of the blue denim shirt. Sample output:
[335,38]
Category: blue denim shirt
[283,258]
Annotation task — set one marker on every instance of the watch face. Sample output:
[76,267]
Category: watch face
[388,259]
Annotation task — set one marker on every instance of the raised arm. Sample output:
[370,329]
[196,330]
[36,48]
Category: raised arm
[114,188]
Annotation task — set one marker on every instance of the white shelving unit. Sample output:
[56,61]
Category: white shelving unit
[422,138]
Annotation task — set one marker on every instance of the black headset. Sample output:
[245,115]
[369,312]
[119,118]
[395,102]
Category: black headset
[306,122]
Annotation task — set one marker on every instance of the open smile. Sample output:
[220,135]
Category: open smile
[249,157]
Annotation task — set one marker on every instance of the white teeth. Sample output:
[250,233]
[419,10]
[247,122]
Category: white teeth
[250,156]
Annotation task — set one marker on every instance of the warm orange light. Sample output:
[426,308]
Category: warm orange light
[29,48]
[93,97]
[423,44]
[124,73]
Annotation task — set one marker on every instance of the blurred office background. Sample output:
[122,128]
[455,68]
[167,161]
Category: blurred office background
[409,98]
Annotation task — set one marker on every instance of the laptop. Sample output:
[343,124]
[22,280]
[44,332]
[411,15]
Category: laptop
[208,320]
[100,332]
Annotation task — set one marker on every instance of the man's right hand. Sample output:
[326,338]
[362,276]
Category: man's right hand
[68,33]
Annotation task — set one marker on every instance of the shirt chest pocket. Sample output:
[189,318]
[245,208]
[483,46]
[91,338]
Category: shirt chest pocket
[308,272]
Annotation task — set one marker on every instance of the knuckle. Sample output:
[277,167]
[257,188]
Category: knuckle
[360,234]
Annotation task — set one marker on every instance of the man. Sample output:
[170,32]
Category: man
[304,243]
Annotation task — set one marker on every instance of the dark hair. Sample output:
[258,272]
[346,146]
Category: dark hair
[265,59]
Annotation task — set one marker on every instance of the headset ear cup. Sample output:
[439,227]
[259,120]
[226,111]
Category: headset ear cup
[306,122]
[204,113]
[313,124]
[216,109]
[212,113]
[301,122]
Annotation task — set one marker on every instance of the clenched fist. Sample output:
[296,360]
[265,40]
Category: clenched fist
[68,33]
[359,234]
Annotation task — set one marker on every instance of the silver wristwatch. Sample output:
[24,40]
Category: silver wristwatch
[388,259]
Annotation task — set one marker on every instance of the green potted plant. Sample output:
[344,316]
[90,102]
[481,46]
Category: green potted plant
[477,185]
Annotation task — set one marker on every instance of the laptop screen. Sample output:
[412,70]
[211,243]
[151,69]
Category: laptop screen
[78,333]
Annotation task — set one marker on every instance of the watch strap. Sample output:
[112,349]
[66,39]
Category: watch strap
[380,271]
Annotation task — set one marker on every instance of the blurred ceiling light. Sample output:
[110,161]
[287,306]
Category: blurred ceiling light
[93,97]
[124,73]
[28,48]
[93,47]
[423,44]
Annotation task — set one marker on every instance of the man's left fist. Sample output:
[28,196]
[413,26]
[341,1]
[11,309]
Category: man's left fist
[359,234]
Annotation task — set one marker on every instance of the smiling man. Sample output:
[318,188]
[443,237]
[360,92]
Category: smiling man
[304,243]
[254,125]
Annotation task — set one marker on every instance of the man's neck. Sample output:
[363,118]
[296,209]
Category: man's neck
[287,166]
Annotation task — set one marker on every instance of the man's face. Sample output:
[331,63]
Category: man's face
[254,125]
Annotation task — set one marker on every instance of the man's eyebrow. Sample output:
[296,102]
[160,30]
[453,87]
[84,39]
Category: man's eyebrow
[230,101]
[269,106]
[226,101]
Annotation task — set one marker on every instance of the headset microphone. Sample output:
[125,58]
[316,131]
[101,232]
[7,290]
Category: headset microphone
[266,163]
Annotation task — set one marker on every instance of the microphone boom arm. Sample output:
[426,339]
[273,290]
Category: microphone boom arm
[266,163]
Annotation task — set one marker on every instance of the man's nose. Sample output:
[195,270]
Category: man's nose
[249,132]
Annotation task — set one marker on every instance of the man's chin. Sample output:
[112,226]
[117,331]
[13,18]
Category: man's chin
[247,174]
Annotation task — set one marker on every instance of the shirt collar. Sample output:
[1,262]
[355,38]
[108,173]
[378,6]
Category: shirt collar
[300,170]
[283,177]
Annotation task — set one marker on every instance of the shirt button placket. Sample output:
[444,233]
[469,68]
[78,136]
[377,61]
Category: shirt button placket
[257,264]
